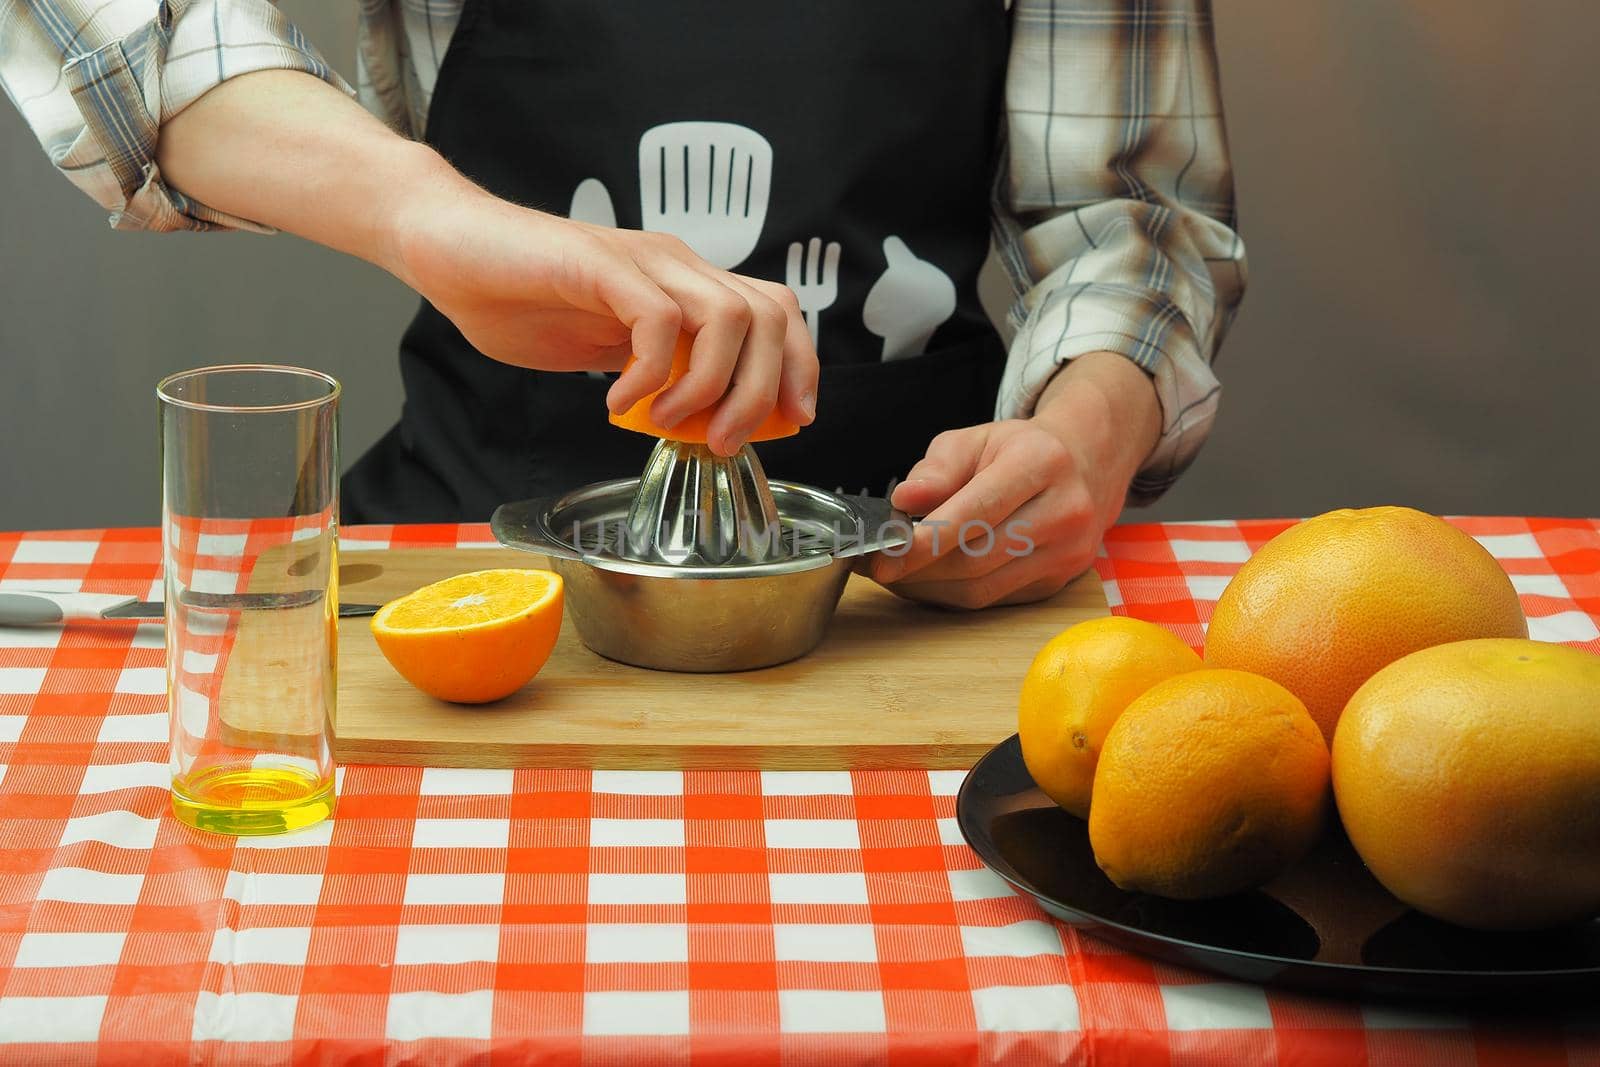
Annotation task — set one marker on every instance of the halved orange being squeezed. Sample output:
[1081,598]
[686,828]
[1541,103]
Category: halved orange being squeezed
[693,427]
[473,638]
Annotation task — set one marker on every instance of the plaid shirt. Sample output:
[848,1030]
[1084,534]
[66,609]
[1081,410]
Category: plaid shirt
[1113,209]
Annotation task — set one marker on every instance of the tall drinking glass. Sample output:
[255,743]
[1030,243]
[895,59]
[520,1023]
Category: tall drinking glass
[250,497]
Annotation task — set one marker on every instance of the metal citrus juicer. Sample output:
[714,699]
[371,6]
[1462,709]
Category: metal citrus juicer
[701,564]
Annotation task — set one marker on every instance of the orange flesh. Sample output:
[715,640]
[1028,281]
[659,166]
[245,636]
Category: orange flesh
[475,637]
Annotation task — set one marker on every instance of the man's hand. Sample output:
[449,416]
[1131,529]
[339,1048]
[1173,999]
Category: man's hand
[1015,509]
[537,290]
[290,151]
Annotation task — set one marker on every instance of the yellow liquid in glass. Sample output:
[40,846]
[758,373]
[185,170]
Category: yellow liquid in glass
[248,801]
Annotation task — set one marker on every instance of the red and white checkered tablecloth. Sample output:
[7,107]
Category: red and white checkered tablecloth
[710,917]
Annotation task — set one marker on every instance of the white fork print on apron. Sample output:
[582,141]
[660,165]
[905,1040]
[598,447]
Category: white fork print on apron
[814,277]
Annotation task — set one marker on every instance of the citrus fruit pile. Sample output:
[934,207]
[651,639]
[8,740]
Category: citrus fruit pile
[1375,658]
[474,638]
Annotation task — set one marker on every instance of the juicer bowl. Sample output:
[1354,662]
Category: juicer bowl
[701,617]
[701,625]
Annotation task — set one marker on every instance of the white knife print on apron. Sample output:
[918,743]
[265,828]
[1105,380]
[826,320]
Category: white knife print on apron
[591,203]
[908,302]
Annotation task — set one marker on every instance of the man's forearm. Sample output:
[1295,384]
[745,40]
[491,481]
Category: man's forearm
[523,287]
[1108,404]
[289,151]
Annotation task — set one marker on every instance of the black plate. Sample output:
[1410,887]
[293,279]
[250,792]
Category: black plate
[1327,926]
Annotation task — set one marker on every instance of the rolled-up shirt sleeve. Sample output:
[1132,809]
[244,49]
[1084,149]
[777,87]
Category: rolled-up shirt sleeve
[95,79]
[1115,211]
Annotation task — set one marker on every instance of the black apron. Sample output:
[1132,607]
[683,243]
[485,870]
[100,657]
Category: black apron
[749,130]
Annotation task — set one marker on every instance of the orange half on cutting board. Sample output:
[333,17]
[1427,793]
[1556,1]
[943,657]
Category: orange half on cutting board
[473,638]
[693,428]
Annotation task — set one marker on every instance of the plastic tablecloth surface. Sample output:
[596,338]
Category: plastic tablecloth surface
[565,917]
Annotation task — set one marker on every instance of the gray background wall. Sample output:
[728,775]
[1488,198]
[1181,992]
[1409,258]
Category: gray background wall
[1416,181]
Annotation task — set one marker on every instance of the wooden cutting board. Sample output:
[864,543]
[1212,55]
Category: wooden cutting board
[894,684]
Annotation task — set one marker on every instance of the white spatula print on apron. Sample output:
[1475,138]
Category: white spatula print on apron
[707,184]
[908,302]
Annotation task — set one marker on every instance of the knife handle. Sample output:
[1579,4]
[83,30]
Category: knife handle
[42,608]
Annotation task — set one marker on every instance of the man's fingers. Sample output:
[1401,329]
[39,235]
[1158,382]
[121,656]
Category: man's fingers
[611,358]
[797,380]
[719,317]
[753,392]
[921,492]
[978,548]
[1038,529]
[971,594]
[1039,590]
[797,385]
[974,512]
[751,351]
[653,320]
[1019,581]
[952,460]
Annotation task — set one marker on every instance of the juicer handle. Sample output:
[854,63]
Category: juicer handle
[881,524]
[520,525]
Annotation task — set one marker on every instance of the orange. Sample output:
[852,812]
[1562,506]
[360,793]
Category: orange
[1209,783]
[1468,778]
[473,638]
[1322,606]
[693,427]
[1077,686]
